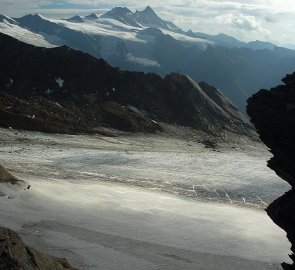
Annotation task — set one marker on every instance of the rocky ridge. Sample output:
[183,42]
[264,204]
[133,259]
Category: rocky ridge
[273,114]
[77,92]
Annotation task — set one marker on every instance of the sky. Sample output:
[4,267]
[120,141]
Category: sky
[268,20]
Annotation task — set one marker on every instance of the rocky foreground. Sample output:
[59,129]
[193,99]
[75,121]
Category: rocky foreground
[15,254]
[273,113]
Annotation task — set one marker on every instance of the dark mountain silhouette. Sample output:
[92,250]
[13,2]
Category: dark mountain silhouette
[273,113]
[62,85]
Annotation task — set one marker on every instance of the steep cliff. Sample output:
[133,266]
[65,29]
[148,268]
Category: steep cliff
[273,114]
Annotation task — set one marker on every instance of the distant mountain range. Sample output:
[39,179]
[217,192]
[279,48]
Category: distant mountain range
[142,41]
[68,91]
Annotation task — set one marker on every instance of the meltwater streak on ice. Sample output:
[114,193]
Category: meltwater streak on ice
[205,175]
[232,176]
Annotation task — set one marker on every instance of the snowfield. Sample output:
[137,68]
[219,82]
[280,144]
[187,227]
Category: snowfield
[142,201]
[29,37]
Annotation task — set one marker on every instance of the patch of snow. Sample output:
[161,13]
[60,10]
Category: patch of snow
[24,35]
[99,28]
[188,39]
[60,82]
[142,61]
[134,109]
[92,16]
[7,20]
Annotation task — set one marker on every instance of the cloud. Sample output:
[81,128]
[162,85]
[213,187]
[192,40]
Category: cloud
[241,21]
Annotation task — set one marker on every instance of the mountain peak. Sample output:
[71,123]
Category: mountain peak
[140,18]
[123,15]
[120,10]
[260,45]
[76,18]
[37,15]
[34,17]
[148,9]
[92,16]
[117,13]
[147,13]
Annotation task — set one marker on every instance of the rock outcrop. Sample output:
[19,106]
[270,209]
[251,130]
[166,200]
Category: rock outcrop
[273,114]
[6,177]
[15,255]
[76,91]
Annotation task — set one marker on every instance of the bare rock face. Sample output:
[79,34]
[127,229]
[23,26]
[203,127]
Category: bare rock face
[6,177]
[273,114]
[15,255]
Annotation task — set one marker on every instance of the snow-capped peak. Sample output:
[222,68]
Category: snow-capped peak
[76,18]
[144,18]
[123,15]
[37,15]
[118,11]
[149,18]
[149,10]
[92,16]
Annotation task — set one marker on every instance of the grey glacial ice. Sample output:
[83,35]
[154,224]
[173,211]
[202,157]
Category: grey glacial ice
[143,202]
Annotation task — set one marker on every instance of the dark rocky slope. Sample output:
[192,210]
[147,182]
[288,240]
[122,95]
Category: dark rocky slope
[273,113]
[42,114]
[77,92]
[15,255]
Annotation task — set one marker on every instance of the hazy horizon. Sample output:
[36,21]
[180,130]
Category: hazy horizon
[245,20]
